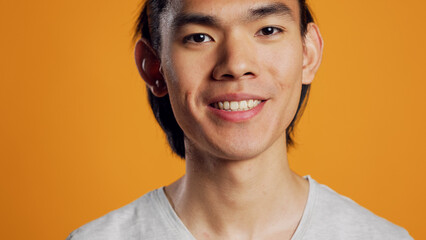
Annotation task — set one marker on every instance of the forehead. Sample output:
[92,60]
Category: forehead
[229,10]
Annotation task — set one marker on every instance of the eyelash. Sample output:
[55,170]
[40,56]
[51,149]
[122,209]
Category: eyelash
[190,38]
[275,30]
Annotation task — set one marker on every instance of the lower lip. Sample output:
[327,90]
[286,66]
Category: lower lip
[238,116]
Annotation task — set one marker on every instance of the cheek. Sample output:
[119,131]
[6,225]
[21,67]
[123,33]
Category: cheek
[188,70]
[186,74]
[285,67]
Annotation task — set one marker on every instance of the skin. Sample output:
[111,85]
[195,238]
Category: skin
[238,184]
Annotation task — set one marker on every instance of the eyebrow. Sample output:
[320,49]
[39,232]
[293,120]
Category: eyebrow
[270,9]
[254,14]
[183,19]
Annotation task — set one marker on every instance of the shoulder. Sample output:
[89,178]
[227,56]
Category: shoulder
[345,219]
[137,219]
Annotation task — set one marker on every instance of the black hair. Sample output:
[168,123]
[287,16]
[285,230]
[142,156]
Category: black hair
[147,27]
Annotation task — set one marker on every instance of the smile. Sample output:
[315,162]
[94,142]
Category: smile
[237,111]
[233,106]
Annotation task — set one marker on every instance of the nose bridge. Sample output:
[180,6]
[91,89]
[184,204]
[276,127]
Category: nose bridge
[236,59]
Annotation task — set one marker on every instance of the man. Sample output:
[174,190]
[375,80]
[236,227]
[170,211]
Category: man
[227,82]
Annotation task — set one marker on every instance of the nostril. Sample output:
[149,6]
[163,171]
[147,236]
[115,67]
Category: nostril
[231,76]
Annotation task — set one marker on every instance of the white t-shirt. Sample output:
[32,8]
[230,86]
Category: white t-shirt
[327,216]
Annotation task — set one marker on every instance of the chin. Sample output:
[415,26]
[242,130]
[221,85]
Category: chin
[235,142]
[240,151]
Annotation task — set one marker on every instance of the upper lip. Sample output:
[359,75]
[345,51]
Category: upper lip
[235,97]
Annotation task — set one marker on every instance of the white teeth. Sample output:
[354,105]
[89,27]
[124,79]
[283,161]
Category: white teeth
[237,106]
[226,105]
[243,104]
[234,106]
[220,105]
[250,103]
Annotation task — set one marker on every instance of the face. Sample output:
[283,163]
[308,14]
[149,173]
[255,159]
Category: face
[234,71]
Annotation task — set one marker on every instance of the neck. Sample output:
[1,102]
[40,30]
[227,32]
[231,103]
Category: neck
[238,197]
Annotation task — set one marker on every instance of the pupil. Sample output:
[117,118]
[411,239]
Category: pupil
[199,38]
[268,30]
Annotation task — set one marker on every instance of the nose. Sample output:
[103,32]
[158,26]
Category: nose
[236,60]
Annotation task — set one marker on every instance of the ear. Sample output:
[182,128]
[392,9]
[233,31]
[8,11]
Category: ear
[149,67]
[312,53]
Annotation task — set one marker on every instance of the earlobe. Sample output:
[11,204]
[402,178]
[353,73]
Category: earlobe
[149,67]
[312,53]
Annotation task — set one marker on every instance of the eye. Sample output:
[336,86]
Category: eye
[197,38]
[269,31]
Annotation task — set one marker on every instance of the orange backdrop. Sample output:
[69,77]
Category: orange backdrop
[78,138]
